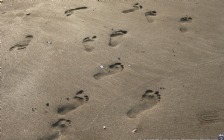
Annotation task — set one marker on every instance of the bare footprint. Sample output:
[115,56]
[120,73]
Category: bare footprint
[136,6]
[149,16]
[111,69]
[149,99]
[116,37]
[183,23]
[87,43]
[61,123]
[22,44]
[208,117]
[70,11]
[79,99]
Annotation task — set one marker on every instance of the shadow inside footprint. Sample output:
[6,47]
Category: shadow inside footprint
[22,44]
[183,29]
[86,42]
[135,7]
[69,107]
[115,37]
[149,99]
[79,99]
[70,11]
[111,69]
[149,15]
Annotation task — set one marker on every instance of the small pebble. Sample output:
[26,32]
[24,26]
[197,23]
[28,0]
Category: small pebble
[129,65]
[104,127]
[49,42]
[101,66]
[135,130]
[47,104]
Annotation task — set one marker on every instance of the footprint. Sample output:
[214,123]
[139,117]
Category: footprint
[79,99]
[149,99]
[211,117]
[87,43]
[116,37]
[184,21]
[61,123]
[55,136]
[111,69]
[149,15]
[22,44]
[135,7]
[70,11]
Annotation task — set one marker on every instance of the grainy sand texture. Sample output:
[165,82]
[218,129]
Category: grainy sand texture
[111,69]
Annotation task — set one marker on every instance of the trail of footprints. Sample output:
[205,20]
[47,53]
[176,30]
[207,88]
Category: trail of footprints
[61,124]
[149,99]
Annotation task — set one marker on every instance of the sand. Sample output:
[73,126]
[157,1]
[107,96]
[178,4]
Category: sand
[112,70]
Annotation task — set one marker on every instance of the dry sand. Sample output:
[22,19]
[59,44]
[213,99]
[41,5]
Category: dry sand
[112,70]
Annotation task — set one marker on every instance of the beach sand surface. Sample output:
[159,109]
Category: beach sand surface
[112,70]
